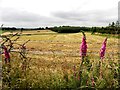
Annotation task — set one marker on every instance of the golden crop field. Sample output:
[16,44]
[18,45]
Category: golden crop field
[54,58]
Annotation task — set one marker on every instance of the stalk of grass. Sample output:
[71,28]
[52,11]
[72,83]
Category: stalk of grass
[80,71]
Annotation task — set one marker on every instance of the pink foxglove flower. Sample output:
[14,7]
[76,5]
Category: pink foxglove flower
[6,53]
[103,48]
[83,47]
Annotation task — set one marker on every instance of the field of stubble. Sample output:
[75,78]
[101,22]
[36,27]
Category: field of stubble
[55,58]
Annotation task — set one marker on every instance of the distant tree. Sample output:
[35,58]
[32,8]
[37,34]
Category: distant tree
[113,24]
[117,24]
[93,30]
[46,28]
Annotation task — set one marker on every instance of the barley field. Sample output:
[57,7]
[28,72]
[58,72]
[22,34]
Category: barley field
[53,61]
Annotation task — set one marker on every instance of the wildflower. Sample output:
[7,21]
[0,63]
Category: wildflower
[7,55]
[103,48]
[93,82]
[83,47]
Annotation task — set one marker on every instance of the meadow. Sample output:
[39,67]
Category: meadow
[53,61]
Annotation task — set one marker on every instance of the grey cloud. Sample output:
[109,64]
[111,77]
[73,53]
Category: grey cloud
[27,19]
[70,15]
[102,16]
[12,15]
[20,18]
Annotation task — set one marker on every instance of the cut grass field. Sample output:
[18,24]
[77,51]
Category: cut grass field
[68,43]
[54,55]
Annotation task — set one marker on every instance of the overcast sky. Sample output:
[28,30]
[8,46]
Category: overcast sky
[41,13]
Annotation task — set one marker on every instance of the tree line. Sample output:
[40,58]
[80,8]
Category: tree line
[112,28]
[14,28]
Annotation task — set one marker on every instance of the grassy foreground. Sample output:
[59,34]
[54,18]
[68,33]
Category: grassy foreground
[54,60]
